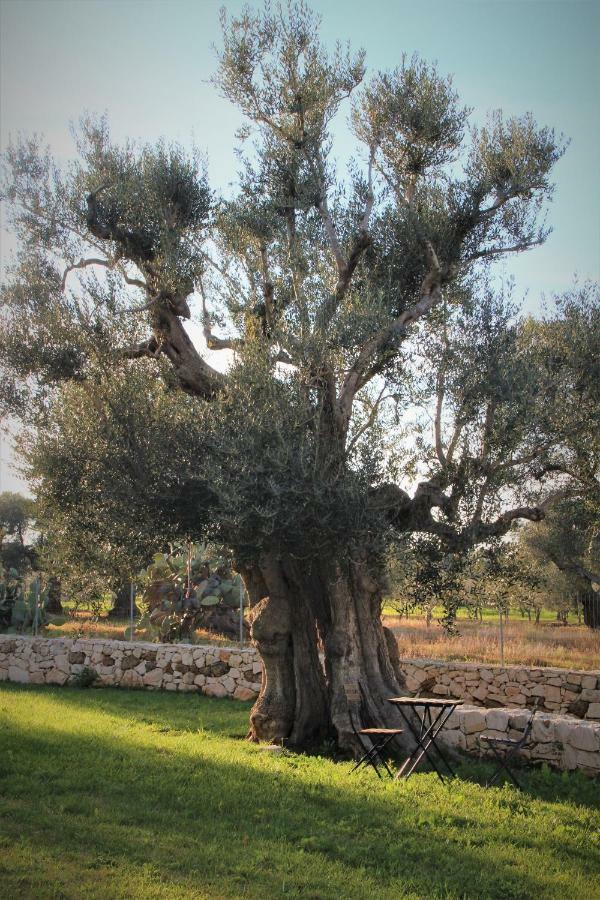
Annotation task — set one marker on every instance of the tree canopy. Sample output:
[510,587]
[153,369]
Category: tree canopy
[345,300]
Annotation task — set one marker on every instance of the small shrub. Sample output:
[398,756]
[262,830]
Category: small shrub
[84,679]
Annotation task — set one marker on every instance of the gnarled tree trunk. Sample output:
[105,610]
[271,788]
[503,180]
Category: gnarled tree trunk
[317,632]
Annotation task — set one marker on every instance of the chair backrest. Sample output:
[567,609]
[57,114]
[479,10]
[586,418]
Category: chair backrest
[529,726]
[354,698]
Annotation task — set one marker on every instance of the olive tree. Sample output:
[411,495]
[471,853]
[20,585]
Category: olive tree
[317,285]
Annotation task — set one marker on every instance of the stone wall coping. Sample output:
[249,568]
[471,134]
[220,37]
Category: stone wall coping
[495,667]
[121,645]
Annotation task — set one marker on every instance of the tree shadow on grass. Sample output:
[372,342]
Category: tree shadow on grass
[175,713]
[247,823]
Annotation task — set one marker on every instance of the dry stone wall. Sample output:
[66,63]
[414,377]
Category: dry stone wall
[562,740]
[554,690]
[215,671]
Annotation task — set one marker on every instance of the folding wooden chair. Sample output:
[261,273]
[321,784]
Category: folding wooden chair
[373,740]
[505,749]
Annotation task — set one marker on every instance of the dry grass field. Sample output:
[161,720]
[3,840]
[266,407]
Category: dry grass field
[547,644]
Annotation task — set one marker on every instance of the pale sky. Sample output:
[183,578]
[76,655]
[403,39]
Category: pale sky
[147,63]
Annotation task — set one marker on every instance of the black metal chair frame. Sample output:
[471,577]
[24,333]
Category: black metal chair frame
[506,748]
[378,739]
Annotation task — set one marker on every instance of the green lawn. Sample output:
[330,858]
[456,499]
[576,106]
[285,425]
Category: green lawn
[107,793]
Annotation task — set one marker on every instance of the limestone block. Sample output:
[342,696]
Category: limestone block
[588,682]
[574,678]
[257,667]
[187,658]
[590,696]
[224,655]
[18,662]
[481,692]
[153,678]
[547,751]
[256,686]
[454,739]
[19,674]
[497,719]
[200,680]
[552,694]
[584,737]
[36,678]
[472,721]
[55,676]
[501,678]
[235,660]
[141,668]
[188,678]
[453,721]
[228,684]
[593,711]
[243,693]
[187,688]
[441,690]
[128,662]
[234,673]
[542,730]
[131,679]
[485,675]
[588,761]
[568,759]
[214,690]
[519,720]
[3,674]
[171,686]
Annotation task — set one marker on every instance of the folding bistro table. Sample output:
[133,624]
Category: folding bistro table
[432,715]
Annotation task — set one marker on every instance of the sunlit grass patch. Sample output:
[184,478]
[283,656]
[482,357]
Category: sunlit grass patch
[113,793]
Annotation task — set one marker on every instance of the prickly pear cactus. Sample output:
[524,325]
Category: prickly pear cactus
[188,589]
[19,613]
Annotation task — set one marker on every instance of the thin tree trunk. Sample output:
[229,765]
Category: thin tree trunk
[53,596]
[591,609]
[121,605]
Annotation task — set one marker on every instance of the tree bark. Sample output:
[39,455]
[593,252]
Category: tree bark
[292,705]
[121,608]
[53,596]
[591,609]
[304,701]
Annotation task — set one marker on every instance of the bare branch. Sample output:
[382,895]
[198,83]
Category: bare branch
[498,251]
[83,264]
[151,348]
[370,420]
[212,341]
